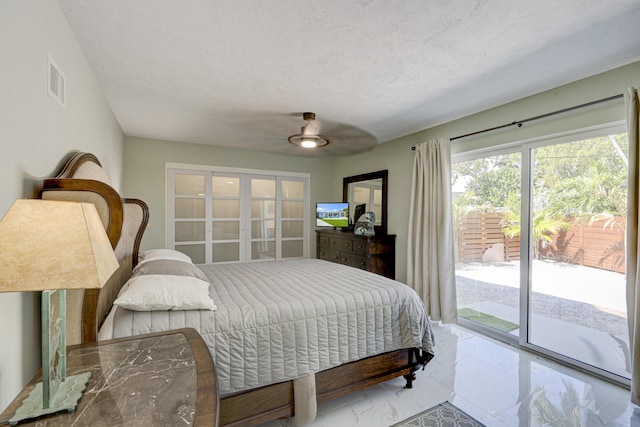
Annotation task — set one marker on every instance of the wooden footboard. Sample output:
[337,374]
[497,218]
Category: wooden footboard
[267,403]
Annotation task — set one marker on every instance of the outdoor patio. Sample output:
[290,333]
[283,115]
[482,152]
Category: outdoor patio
[577,311]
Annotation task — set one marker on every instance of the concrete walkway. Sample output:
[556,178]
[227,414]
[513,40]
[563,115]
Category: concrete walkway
[601,288]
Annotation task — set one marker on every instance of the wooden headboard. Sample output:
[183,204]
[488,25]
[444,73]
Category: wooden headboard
[82,179]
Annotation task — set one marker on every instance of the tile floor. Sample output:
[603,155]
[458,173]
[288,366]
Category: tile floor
[495,383]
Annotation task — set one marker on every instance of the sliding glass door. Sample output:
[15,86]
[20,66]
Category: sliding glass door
[577,304]
[540,256]
[485,192]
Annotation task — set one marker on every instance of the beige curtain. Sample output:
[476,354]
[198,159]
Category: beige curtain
[633,263]
[430,263]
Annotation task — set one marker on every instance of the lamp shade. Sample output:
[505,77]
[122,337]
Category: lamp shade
[47,244]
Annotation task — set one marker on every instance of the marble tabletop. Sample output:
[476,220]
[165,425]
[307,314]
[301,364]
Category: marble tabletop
[160,379]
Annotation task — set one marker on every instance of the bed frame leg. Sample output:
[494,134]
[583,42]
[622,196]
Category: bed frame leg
[410,378]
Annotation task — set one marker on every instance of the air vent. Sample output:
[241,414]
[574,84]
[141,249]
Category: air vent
[57,86]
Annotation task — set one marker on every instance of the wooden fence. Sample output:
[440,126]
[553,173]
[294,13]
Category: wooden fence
[596,245]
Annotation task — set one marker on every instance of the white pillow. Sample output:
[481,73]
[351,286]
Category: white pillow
[157,292]
[156,254]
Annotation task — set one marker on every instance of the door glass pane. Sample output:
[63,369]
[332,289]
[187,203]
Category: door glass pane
[226,252]
[226,186]
[263,250]
[377,205]
[292,248]
[361,195]
[226,230]
[263,187]
[292,209]
[189,185]
[292,229]
[263,209]
[377,210]
[578,300]
[189,208]
[225,208]
[377,197]
[486,196]
[187,231]
[293,189]
[263,229]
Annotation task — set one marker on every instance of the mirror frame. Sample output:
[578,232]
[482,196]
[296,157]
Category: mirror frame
[384,174]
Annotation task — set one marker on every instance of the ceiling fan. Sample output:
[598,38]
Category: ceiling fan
[309,136]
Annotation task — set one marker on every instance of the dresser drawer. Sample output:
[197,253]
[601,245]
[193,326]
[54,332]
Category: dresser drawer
[360,262]
[323,241]
[340,244]
[328,255]
[346,258]
[359,247]
[353,260]
[375,253]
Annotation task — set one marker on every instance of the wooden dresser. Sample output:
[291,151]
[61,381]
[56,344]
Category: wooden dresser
[376,254]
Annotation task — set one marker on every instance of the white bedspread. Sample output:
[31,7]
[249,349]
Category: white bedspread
[277,321]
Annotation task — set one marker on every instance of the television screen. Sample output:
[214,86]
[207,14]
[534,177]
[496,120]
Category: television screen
[334,214]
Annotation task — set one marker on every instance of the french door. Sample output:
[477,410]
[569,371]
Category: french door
[540,259]
[233,215]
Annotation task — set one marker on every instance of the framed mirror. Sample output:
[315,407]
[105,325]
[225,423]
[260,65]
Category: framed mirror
[370,190]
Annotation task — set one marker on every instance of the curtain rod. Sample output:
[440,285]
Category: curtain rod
[519,123]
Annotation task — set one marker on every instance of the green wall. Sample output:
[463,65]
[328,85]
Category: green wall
[145,161]
[397,157]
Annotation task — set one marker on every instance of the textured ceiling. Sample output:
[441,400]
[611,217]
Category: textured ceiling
[239,73]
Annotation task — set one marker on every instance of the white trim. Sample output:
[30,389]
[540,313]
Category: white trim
[525,245]
[539,141]
[226,169]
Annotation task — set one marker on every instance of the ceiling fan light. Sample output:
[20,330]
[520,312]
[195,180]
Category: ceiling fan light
[308,142]
[308,136]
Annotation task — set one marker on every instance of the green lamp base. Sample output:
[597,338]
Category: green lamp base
[65,399]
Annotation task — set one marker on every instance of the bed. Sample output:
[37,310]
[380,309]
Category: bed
[284,335]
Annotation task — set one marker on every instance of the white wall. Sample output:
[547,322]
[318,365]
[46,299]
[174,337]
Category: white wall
[35,134]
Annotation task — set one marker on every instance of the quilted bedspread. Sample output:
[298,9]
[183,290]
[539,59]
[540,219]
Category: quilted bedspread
[276,321]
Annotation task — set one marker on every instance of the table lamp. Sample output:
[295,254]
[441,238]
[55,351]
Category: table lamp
[51,246]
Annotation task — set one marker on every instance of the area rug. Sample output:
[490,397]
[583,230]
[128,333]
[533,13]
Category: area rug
[487,319]
[442,415]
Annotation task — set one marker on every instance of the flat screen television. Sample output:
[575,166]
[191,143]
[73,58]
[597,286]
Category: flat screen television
[332,214]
